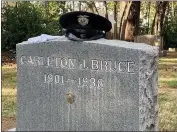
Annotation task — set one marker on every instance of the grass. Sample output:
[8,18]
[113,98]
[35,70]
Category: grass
[9,90]
[172,84]
[167,98]
[8,106]
[168,110]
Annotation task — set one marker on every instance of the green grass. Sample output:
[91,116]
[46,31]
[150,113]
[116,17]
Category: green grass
[9,106]
[167,99]
[172,84]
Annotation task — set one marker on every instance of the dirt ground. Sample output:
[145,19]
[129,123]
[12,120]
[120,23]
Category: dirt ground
[8,58]
[8,123]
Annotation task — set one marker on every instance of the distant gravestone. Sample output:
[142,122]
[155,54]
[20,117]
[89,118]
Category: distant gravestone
[147,39]
[153,40]
[87,86]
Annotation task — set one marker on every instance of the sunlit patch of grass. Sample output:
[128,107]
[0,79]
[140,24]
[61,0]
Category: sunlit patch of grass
[9,91]
[167,59]
[169,63]
[170,55]
[167,79]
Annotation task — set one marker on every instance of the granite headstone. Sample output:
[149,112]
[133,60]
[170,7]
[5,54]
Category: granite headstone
[112,86]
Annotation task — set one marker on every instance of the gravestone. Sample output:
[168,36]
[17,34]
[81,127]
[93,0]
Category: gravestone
[87,86]
[153,40]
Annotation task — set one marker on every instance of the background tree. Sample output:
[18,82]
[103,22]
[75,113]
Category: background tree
[22,20]
[132,23]
[19,23]
[157,24]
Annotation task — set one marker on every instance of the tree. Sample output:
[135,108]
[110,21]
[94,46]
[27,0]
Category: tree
[106,9]
[19,23]
[25,20]
[124,8]
[158,21]
[115,19]
[132,23]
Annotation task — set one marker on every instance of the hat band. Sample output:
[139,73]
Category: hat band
[84,35]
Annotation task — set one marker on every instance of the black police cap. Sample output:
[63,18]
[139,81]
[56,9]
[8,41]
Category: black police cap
[81,25]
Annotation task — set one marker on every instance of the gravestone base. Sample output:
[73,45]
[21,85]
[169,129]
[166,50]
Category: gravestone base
[100,85]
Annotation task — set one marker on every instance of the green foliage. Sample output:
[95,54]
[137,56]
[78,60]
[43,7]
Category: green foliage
[27,20]
[19,23]
[51,16]
[170,36]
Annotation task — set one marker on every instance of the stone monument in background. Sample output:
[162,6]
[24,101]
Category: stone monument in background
[153,40]
[100,85]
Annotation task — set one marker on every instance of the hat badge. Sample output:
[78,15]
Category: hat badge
[83,20]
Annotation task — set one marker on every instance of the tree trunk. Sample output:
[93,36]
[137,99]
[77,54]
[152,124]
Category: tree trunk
[163,10]
[157,24]
[149,9]
[106,10]
[115,19]
[90,5]
[132,24]
[108,34]
[80,5]
[124,7]
[73,6]
[166,17]
[94,6]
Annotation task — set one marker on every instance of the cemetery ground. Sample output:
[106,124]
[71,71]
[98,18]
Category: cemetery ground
[167,98]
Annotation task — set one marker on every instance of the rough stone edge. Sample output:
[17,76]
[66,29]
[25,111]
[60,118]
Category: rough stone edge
[148,90]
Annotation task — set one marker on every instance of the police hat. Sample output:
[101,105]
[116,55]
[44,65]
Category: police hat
[81,25]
